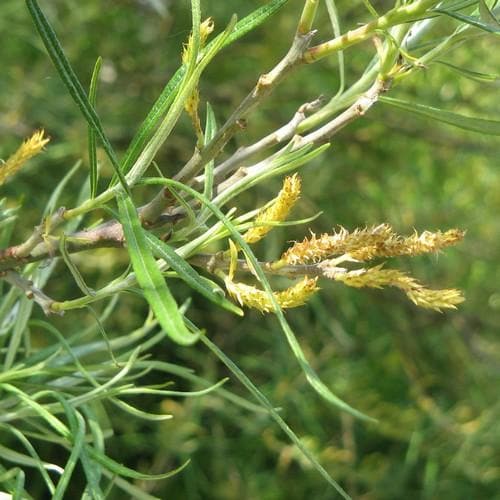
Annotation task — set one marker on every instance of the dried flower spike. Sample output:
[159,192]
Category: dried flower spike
[29,148]
[277,211]
[249,296]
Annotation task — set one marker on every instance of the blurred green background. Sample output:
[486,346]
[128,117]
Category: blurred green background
[431,379]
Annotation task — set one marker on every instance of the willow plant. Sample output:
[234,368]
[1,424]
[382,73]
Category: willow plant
[193,230]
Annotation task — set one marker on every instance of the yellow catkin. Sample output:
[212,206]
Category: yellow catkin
[29,148]
[318,248]
[255,298]
[377,277]
[395,246]
[277,211]
[373,277]
[436,299]
[368,243]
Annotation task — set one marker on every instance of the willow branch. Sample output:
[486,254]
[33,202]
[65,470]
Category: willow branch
[31,291]
[220,262]
[265,85]
[280,136]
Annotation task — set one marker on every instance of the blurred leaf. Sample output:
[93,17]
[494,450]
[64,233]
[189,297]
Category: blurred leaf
[473,75]
[481,125]
[121,470]
[486,15]
[77,440]
[261,398]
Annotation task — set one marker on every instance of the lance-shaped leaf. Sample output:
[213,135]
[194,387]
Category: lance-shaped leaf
[94,175]
[208,289]
[481,125]
[149,276]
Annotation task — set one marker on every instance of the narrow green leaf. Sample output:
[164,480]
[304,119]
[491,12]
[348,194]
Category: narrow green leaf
[77,436]
[149,276]
[22,317]
[486,15]
[189,275]
[93,470]
[73,85]
[37,461]
[137,413]
[310,374]
[94,174]
[123,471]
[261,398]
[195,32]
[39,409]
[477,22]
[335,22]
[481,125]
[210,131]
[19,490]
[72,268]
[473,75]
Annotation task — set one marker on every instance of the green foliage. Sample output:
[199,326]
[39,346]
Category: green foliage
[129,387]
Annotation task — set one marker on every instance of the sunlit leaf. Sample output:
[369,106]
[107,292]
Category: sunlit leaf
[149,276]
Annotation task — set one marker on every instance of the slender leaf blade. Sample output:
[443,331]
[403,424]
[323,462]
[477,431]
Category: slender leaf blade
[472,75]
[94,174]
[123,471]
[149,276]
[210,131]
[261,398]
[481,125]
[77,427]
[189,275]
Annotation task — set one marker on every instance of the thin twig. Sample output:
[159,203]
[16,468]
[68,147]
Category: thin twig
[219,261]
[31,291]
[279,136]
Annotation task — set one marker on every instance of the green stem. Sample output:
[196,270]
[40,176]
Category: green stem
[395,16]
[307,17]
